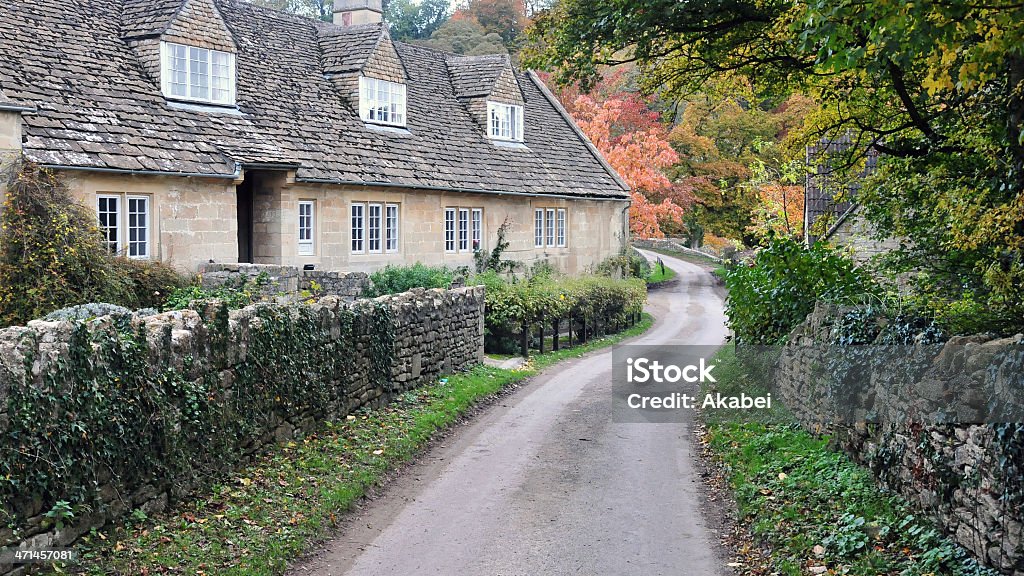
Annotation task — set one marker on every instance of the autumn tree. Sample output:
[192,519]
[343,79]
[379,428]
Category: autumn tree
[936,87]
[506,18]
[640,157]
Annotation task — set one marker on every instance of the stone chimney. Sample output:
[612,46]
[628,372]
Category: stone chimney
[353,12]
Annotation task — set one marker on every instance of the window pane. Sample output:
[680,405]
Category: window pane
[550,224]
[357,227]
[138,227]
[109,216]
[463,229]
[382,101]
[477,228]
[392,228]
[177,70]
[538,227]
[306,220]
[221,79]
[561,226]
[374,228]
[449,229]
[199,73]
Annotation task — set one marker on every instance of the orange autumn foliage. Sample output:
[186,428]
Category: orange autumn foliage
[638,156]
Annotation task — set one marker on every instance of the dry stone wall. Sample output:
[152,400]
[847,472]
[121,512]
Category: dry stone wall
[967,477]
[123,413]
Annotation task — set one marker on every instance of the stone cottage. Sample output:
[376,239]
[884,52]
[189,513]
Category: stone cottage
[217,130]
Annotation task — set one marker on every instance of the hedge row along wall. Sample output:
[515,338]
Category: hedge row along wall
[124,412]
[969,478]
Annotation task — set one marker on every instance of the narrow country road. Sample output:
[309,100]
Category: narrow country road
[546,484]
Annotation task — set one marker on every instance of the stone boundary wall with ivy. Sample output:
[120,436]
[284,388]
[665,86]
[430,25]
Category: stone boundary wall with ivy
[968,478]
[102,417]
[286,279]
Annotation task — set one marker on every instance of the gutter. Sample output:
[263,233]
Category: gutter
[234,176]
[339,182]
[16,108]
[583,137]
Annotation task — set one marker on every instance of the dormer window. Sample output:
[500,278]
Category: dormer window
[505,121]
[197,74]
[381,102]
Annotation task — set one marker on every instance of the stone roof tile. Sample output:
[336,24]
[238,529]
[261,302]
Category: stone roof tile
[98,108]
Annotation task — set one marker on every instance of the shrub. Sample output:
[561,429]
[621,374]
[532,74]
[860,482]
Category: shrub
[628,265]
[513,303]
[398,279]
[235,293]
[769,298]
[52,254]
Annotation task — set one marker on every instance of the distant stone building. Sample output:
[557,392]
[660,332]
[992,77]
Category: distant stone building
[831,212]
[218,130]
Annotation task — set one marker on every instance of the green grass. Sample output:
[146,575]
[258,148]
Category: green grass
[796,494]
[266,515]
[660,274]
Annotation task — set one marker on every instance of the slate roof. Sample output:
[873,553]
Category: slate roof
[147,17]
[821,188]
[98,109]
[475,75]
[345,49]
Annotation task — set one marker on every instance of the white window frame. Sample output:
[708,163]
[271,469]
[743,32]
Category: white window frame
[549,228]
[450,228]
[382,101]
[357,227]
[560,230]
[464,230]
[122,227]
[538,228]
[505,121]
[375,228]
[143,242]
[306,228]
[115,244]
[192,57]
[476,223]
[391,219]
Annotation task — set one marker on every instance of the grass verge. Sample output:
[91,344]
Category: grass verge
[817,511]
[659,274]
[269,513]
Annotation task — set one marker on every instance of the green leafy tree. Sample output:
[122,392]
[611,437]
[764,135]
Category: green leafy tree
[416,20]
[319,9]
[465,37]
[937,87]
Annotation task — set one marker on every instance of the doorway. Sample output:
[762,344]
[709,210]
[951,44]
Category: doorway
[244,203]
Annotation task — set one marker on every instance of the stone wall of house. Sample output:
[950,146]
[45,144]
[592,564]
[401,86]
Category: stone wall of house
[959,474]
[432,333]
[857,234]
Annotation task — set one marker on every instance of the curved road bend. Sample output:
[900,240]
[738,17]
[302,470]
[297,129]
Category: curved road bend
[545,484]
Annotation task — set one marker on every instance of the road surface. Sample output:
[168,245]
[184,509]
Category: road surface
[545,484]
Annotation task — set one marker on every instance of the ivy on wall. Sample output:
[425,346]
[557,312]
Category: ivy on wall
[123,408]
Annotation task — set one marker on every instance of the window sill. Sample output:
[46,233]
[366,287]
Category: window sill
[389,129]
[509,144]
[230,109]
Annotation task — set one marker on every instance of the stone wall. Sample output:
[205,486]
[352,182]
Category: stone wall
[276,371]
[286,279]
[957,473]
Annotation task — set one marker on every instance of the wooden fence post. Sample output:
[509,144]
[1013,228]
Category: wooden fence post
[541,333]
[557,325]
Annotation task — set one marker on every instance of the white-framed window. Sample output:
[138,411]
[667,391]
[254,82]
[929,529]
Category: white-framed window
[381,101]
[538,228]
[560,228]
[108,208]
[478,228]
[549,227]
[358,224]
[391,228]
[200,74]
[449,229]
[505,121]
[124,220]
[374,228]
[463,229]
[307,219]
[138,226]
